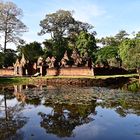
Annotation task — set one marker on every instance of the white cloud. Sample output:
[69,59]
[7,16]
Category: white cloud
[88,12]
[83,10]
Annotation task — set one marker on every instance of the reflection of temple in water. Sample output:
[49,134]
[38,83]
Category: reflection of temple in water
[18,92]
[58,117]
[22,93]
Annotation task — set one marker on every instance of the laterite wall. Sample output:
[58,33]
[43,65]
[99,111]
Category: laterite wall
[71,71]
[6,72]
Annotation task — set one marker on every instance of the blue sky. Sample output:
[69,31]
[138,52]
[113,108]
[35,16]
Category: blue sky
[107,16]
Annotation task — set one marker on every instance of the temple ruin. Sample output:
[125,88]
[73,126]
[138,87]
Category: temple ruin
[74,65]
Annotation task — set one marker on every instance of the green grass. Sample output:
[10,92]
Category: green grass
[21,80]
[93,77]
[115,76]
[8,80]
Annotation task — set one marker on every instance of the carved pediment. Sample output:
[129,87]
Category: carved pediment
[40,61]
[23,60]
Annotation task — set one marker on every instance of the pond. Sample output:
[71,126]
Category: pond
[68,113]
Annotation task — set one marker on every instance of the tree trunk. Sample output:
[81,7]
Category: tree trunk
[5,41]
[6,115]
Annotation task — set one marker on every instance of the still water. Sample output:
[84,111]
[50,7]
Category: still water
[29,112]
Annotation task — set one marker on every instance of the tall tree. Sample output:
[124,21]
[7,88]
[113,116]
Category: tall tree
[10,57]
[138,35]
[48,48]
[57,24]
[31,51]
[11,27]
[121,35]
[53,48]
[86,43]
[108,41]
[107,55]
[61,24]
[129,51]
[63,28]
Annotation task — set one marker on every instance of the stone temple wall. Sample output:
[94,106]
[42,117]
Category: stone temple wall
[6,72]
[70,71]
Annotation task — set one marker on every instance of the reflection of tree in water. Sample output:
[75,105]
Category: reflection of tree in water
[11,120]
[123,104]
[64,118]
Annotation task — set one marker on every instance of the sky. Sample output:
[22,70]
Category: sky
[107,16]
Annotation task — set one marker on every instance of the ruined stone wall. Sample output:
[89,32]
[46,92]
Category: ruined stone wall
[71,71]
[52,72]
[6,72]
[76,71]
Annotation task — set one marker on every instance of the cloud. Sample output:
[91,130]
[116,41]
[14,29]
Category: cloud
[89,130]
[84,10]
[88,12]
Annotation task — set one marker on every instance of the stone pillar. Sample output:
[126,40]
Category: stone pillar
[41,70]
[20,71]
[15,70]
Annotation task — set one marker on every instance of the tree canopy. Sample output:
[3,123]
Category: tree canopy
[86,43]
[11,26]
[106,54]
[7,58]
[64,30]
[61,24]
[129,51]
[31,51]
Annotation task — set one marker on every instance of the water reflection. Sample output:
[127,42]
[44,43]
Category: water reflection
[64,118]
[63,112]
[11,119]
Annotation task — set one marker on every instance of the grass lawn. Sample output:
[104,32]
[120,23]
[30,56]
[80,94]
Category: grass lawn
[21,80]
[11,80]
[93,77]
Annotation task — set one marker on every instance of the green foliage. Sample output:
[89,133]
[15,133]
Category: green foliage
[64,30]
[109,41]
[121,35]
[8,58]
[1,59]
[15,80]
[126,50]
[59,48]
[61,23]
[86,43]
[57,23]
[106,53]
[138,35]
[54,48]
[134,87]
[129,51]
[114,40]
[48,48]
[31,51]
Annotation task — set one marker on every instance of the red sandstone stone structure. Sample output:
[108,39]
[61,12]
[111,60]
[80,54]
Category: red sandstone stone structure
[7,72]
[79,68]
[50,67]
[71,71]
[20,67]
